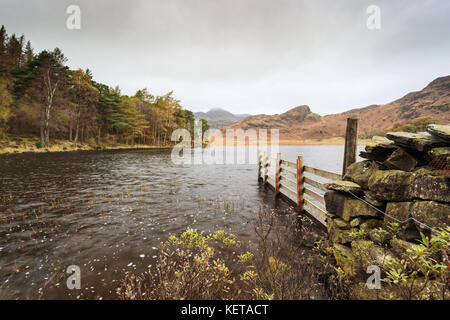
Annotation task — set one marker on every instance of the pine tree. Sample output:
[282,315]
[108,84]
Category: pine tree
[29,54]
[3,42]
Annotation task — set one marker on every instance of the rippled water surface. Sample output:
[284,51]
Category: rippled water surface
[107,212]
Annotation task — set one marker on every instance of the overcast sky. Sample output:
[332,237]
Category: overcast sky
[248,56]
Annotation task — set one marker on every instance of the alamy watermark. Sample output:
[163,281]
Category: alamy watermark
[235,146]
[374,281]
[73,281]
[374,20]
[73,21]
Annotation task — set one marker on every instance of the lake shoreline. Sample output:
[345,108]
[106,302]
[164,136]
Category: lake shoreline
[26,145]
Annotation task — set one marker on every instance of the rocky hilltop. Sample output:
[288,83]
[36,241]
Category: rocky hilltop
[219,118]
[301,123]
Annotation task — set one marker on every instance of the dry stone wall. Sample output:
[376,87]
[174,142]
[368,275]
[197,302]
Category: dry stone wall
[403,184]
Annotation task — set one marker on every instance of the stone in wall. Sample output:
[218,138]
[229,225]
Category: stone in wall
[368,253]
[398,211]
[339,231]
[379,149]
[346,260]
[397,185]
[347,207]
[402,248]
[432,213]
[391,185]
[441,131]
[421,141]
[369,224]
[360,172]
[401,160]
[345,187]
[429,186]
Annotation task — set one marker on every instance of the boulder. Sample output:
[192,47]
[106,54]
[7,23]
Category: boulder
[347,207]
[344,186]
[432,213]
[391,185]
[401,160]
[421,141]
[360,172]
[346,260]
[440,131]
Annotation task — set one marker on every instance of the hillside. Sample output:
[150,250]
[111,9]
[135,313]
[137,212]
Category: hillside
[218,118]
[301,123]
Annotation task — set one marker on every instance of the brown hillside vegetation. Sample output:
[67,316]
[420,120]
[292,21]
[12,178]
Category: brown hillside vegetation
[432,104]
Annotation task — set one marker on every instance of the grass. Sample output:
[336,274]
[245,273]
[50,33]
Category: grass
[19,144]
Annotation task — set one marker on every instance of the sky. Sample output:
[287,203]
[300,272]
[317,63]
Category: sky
[248,56]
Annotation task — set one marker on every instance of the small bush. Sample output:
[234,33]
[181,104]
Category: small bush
[38,145]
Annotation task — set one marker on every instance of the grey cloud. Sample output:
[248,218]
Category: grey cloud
[254,56]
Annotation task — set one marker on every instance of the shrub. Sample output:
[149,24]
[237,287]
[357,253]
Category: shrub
[196,266]
[38,145]
[424,272]
[189,267]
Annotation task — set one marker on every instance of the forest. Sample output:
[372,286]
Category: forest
[41,97]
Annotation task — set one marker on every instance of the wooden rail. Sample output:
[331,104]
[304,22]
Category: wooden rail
[287,179]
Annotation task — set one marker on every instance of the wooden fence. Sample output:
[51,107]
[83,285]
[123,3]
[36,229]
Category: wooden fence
[288,179]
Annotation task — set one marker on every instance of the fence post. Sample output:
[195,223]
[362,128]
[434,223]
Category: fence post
[351,140]
[300,185]
[259,165]
[265,167]
[277,174]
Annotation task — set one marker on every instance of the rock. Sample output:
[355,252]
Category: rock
[346,207]
[370,198]
[380,236]
[367,225]
[360,172]
[436,152]
[338,231]
[346,260]
[356,222]
[379,149]
[383,142]
[368,253]
[432,213]
[401,160]
[334,202]
[398,210]
[403,248]
[421,141]
[344,186]
[441,131]
[391,185]
[360,291]
[428,185]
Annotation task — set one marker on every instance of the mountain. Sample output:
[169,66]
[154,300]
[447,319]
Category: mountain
[301,123]
[218,118]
